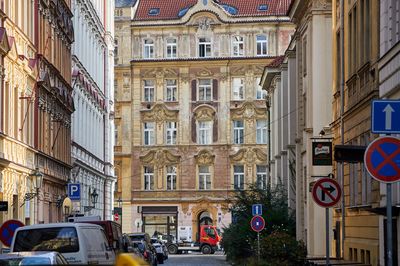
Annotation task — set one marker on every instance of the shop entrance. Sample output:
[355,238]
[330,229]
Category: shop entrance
[160,222]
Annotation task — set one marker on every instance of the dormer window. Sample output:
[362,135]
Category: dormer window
[230,9]
[263,7]
[183,11]
[154,11]
[204,47]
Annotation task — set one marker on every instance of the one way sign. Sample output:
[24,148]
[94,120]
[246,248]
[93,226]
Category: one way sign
[326,192]
[385,116]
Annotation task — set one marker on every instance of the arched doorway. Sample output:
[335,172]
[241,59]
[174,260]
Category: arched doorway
[204,218]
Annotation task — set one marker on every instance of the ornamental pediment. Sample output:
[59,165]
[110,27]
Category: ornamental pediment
[249,156]
[204,157]
[160,157]
[159,73]
[248,110]
[159,113]
[204,112]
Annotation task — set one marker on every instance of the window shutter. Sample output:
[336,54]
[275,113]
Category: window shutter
[215,130]
[194,130]
[215,89]
[194,89]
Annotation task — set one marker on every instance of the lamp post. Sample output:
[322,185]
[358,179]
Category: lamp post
[94,195]
[38,184]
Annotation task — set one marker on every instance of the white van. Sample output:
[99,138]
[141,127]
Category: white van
[79,243]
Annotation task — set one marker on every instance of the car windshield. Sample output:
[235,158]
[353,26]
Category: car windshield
[61,239]
[136,237]
[25,261]
[139,245]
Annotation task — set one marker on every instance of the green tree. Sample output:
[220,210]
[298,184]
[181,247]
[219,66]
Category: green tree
[240,241]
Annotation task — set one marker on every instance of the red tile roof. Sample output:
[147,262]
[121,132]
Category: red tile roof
[169,9]
[276,62]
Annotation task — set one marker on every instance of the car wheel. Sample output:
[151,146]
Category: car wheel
[212,251]
[206,249]
[172,249]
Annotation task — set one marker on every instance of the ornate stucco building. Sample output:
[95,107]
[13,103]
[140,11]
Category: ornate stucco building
[92,127]
[361,217]
[191,120]
[36,107]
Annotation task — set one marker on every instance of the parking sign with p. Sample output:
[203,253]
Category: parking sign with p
[74,191]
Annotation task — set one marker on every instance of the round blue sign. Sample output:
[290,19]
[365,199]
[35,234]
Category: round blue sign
[257,223]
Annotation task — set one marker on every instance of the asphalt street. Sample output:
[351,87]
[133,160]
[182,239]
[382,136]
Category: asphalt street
[196,259]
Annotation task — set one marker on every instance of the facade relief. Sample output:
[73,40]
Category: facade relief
[159,113]
[204,157]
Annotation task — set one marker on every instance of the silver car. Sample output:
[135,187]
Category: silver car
[32,258]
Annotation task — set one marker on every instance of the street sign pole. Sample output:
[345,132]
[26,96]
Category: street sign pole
[389,223]
[327,236]
[258,246]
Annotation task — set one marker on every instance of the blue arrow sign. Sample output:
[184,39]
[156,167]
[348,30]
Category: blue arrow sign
[385,116]
[256,209]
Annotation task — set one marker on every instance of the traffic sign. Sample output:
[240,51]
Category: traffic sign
[7,231]
[74,191]
[116,216]
[385,116]
[3,206]
[256,209]
[326,192]
[382,159]
[257,223]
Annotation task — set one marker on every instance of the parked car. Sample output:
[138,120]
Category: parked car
[129,247]
[148,251]
[79,243]
[161,249]
[32,258]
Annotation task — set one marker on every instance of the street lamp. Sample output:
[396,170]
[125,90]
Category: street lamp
[38,184]
[93,197]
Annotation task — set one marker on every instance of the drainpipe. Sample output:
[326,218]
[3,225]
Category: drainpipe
[105,104]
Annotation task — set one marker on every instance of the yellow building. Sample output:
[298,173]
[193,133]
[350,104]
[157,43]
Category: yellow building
[190,117]
[363,227]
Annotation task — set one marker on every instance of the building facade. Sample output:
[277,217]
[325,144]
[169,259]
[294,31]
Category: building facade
[191,120]
[92,130]
[36,107]
[361,240]
[298,86]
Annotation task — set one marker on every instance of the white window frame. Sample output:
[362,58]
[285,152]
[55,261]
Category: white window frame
[170,132]
[171,90]
[171,177]
[204,132]
[238,89]
[260,93]
[206,89]
[237,46]
[262,131]
[205,178]
[263,43]
[148,133]
[261,176]
[238,177]
[148,175]
[171,48]
[238,131]
[148,48]
[206,43]
[148,90]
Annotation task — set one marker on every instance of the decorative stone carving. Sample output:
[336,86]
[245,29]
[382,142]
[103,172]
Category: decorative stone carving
[160,157]
[204,72]
[204,157]
[204,112]
[249,156]
[159,113]
[249,111]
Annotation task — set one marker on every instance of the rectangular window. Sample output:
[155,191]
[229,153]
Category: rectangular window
[262,176]
[148,178]
[238,177]
[149,133]
[260,93]
[171,48]
[205,90]
[171,177]
[238,89]
[238,132]
[261,131]
[171,133]
[237,46]
[170,90]
[204,132]
[148,91]
[148,51]
[204,177]
[261,44]
[204,47]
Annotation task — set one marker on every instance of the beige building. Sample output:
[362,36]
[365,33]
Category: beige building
[190,117]
[361,218]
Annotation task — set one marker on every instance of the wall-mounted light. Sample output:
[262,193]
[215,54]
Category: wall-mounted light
[38,177]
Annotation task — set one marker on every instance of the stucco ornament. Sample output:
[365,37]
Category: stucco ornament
[249,156]
[204,157]
[159,113]
[249,111]
[204,113]
[160,157]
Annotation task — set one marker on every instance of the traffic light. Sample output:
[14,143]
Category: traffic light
[349,153]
